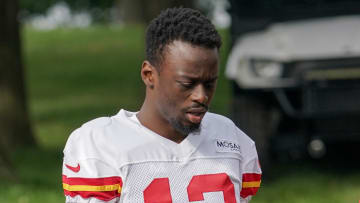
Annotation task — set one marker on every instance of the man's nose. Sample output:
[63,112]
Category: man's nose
[200,95]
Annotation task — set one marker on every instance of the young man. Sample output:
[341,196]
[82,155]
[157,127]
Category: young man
[172,150]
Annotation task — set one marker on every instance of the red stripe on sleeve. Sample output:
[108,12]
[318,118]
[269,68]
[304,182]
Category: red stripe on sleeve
[104,196]
[92,181]
[101,195]
[248,191]
[250,177]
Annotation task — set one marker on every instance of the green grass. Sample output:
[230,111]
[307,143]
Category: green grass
[311,183]
[40,178]
[80,74]
[76,75]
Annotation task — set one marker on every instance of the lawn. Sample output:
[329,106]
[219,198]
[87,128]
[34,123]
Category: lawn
[75,75]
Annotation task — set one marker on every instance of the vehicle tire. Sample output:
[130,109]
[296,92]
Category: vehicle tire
[258,119]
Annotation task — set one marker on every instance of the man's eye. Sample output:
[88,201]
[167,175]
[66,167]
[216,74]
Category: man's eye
[186,84]
[210,85]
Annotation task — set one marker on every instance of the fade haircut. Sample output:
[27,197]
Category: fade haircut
[184,24]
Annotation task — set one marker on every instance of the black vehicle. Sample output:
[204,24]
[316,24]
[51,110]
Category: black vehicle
[295,67]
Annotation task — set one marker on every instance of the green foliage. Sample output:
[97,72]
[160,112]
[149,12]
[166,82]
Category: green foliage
[40,6]
[79,74]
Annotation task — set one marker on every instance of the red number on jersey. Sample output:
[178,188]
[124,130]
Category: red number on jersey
[159,189]
[211,183]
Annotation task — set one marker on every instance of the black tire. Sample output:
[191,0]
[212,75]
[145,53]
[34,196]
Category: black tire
[257,118]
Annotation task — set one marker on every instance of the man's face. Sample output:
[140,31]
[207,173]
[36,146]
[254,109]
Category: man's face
[186,84]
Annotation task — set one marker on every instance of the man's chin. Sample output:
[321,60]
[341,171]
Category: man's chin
[185,129]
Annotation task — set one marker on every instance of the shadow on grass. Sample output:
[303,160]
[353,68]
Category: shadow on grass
[39,172]
[39,167]
[333,179]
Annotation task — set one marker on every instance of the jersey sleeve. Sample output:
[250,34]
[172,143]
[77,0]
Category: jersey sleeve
[250,171]
[88,179]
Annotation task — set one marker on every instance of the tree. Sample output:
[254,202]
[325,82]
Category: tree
[15,129]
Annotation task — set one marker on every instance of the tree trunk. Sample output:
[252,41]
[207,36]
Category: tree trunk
[15,129]
[130,11]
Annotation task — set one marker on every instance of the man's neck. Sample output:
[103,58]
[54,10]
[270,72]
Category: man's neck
[156,123]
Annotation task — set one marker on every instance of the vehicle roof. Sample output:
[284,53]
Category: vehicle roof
[298,40]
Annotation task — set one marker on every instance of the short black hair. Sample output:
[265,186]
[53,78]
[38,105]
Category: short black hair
[182,24]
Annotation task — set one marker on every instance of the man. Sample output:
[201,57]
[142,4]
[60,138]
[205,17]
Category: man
[172,150]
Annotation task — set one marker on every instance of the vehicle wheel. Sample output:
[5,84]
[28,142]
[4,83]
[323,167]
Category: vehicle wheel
[258,119]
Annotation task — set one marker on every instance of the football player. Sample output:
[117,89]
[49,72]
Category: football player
[172,150]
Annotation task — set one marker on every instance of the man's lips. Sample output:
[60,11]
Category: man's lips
[195,115]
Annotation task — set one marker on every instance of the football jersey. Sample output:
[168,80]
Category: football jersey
[117,159]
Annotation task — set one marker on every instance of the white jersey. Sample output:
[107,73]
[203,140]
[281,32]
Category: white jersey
[116,159]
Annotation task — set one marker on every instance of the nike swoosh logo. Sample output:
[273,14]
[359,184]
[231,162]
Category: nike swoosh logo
[74,169]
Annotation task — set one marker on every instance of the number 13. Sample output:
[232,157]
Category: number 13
[159,189]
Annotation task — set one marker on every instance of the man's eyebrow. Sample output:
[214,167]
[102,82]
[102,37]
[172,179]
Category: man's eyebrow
[196,78]
[213,78]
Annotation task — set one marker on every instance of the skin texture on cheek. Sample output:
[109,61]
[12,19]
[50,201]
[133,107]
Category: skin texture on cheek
[165,105]
[169,107]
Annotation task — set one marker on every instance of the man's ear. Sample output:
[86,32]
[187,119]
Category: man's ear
[148,74]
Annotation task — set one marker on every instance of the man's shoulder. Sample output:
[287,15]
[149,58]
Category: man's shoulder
[219,123]
[217,118]
[222,127]
[82,142]
[86,130]
[111,133]
[100,122]
[103,125]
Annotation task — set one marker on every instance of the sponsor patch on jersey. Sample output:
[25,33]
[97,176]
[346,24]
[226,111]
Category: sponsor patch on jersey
[226,146]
